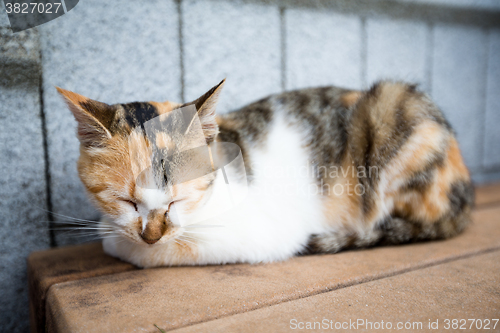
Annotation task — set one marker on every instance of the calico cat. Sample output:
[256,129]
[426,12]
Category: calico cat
[327,169]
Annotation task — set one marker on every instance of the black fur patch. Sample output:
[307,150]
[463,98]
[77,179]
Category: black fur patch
[421,180]
[460,195]
[137,113]
[232,136]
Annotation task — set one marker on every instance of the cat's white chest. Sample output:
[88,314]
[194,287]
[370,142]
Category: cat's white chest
[282,208]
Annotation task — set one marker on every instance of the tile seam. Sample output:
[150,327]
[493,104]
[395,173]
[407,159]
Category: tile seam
[45,144]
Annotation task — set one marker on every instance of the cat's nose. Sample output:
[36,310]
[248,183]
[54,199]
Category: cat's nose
[149,240]
[155,227]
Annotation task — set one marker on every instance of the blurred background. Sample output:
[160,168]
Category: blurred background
[176,50]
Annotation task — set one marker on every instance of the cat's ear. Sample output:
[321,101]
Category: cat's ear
[94,118]
[205,105]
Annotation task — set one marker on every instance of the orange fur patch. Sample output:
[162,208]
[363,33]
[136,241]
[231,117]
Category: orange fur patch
[165,107]
[164,141]
[185,249]
[72,97]
[105,174]
[343,209]
[431,204]
[350,98]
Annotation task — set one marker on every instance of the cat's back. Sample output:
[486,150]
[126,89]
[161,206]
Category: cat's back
[385,160]
[318,115]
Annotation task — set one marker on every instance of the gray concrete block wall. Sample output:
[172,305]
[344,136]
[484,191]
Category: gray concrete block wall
[23,201]
[176,50]
[323,48]
[260,48]
[233,40]
[458,84]
[103,52]
[397,49]
[491,157]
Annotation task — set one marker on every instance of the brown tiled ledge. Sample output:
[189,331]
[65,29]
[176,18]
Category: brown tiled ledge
[462,290]
[182,296]
[63,264]
[90,291]
[488,195]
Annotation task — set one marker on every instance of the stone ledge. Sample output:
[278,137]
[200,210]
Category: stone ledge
[46,268]
[180,296]
[488,195]
[82,288]
[461,289]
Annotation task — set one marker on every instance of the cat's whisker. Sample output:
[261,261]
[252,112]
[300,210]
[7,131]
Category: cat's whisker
[198,232]
[71,225]
[62,223]
[110,236]
[76,225]
[81,234]
[185,240]
[72,221]
[121,231]
[189,237]
[203,226]
[122,236]
[78,235]
[82,228]
[85,228]
[96,231]
[65,216]
[193,238]
[120,239]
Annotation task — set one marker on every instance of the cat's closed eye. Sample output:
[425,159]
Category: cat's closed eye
[130,202]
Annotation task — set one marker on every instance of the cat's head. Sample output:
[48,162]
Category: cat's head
[114,155]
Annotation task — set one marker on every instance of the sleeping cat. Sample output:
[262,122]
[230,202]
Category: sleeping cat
[326,169]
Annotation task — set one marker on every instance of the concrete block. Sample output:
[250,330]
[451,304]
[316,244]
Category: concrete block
[24,225]
[323,48]
[458,78]
[491,157]
[105,52]
[396,50]
[240,41]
